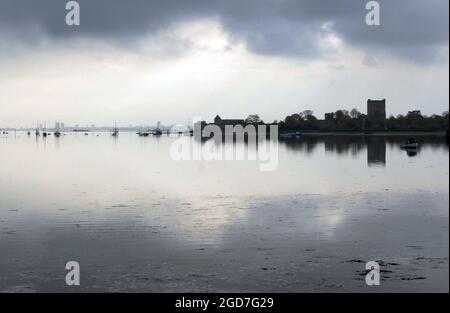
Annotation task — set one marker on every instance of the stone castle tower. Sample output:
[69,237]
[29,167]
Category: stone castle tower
[376,114]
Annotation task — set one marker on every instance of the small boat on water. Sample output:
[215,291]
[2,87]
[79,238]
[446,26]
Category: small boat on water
[157,132]
[115,131]
[289,135]
[44,131]
[143,133]
[411,143]
[57,132]
[37,132]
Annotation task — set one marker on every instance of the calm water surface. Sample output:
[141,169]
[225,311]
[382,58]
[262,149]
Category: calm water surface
[136,220]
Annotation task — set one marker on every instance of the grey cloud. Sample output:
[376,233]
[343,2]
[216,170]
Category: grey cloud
[410,29]
[370,61]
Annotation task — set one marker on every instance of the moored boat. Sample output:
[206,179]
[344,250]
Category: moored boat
[289,135]
[115,131]
[143,133]
[411,143]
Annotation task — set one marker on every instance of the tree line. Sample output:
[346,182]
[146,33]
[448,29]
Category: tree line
[354,120]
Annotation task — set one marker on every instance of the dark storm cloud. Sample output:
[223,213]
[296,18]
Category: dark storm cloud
[412,29]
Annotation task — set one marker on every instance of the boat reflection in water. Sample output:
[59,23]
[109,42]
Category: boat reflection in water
[411,152]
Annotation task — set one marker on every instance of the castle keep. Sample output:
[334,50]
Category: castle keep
[376,115]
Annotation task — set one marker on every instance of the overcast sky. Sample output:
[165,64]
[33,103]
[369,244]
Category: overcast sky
[140,61]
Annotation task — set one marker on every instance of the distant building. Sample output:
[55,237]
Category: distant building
[415,113]
[222,123]
[329,116]
[376,115]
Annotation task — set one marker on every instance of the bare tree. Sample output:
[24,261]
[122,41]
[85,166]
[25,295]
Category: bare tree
[355,114]
[307,113]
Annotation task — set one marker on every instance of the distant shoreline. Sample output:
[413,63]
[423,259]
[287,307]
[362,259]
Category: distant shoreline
[373,133]
[302,132]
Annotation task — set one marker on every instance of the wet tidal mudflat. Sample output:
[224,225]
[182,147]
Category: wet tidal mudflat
[138,221]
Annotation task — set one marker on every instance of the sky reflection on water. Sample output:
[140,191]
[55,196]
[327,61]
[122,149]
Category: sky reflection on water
[121,205]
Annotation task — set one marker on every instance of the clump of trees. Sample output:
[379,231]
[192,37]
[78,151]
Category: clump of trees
[253,119]
[339,120]
[304,121]
[344,120]
[414,120]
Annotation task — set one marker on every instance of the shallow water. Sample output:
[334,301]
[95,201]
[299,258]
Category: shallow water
[136,220]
